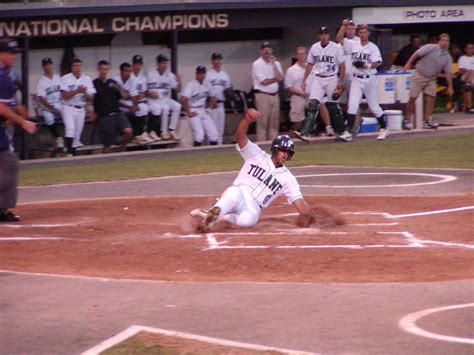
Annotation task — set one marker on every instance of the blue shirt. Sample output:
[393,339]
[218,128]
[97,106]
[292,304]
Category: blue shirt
[7,93]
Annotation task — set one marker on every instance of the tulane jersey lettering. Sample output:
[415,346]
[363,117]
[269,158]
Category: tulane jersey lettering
[324,58]
[361,56]
[218,82]
[272,183]
[52,89]
[199,96]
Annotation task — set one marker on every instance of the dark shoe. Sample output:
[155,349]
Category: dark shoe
[407,125]
[7,216]
[430,125]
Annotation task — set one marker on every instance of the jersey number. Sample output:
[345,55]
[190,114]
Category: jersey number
[330,67]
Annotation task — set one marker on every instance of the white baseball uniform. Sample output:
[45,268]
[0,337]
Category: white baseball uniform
[218,81]
[363,80]
[325,61]
[74,112]
[346,46]
[293,79]
[466,62]
[140,87]
[49,89]
[257,185]
[201,124]
[162,84]
[130,87]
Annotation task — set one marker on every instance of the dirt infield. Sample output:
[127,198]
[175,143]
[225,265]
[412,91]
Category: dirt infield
[153,238]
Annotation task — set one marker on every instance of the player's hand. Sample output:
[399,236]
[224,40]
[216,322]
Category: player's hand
[192,114]
[346,22]
[358,64]
[450,91]
[303,87]
[134,108]
[29,126]
[81,89]
[92,116]
[252,115]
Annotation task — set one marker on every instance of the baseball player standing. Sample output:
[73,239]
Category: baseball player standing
[266,74]
[160,83]
[219,81]
[366,58]
[10,114]
[77,91]
[48,92]
[139,118]
[261,180]
[325,60]
[195,96]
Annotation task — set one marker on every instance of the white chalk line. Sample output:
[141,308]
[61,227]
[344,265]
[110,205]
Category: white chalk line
[135,329]
[408,324]
[54,225]
[12,239]
[415,214]
[442,179]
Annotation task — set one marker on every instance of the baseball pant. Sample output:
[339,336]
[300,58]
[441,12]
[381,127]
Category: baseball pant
[297,108]
[74,119]
[323,86]
[268,124]
[142,110]
[202,126]
[238,207]
[167,122]
[367,87]
[218,116]
[155,107]
[8,179]
[48,116]
[344,99]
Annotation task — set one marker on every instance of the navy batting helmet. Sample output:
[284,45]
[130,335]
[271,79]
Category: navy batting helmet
[285,143]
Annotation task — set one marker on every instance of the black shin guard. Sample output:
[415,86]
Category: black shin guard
[54,130]
[350,122]
[336,116]
[68,142]
[310,121]
[138,124]
[382,121]
[154,124]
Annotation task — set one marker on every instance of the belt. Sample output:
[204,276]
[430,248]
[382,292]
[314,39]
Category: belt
[141,102]
[266,93]
[364,76]
[325,76]
[75,106]
[220,101]
[202,106]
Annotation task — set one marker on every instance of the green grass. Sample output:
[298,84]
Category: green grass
[453,151]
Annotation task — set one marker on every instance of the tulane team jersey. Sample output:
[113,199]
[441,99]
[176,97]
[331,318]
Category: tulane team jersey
[49,88]
[197,93]
[325,60]
[130,87]
[162,84]
[369,53]
[218,81]
[140,82]
[263,180]
[70,83]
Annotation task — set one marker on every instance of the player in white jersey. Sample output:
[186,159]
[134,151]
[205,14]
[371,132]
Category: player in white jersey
[128,89]
[466,68]
[219,81]
[261,180]
[48,92]
[139,117]
[196,97]
[160,83]
[326,62]
[77,91]
[366,58]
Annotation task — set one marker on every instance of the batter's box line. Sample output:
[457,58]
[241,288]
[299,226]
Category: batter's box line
[413,242]
[416,214]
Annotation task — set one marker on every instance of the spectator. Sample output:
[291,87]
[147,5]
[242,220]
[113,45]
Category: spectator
[266,74]
[48,93]
[139,118]
[196,97]
[466,69]
[406,52]
[9,115]
[455,52]
[433,59]
[160,83]
[107,109]
[77,92]
[219,82]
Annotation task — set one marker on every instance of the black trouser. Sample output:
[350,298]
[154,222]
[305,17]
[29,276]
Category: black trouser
[8,179]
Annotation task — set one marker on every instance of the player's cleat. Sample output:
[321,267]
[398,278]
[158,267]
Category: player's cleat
[165,136]
[142,139]
[60,142]
[407,125]
[211,219]
[383,133]
[175,135]
[430,124]
[345,137]
[199,212]
[7,216]
[154,136]
[299,135]
[330,131]
[77,143]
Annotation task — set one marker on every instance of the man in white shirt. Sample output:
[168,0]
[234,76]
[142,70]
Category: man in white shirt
[196,98]
[48,93]
[77,92]
[466,68]
[219,81]
[266,74]
[261,180]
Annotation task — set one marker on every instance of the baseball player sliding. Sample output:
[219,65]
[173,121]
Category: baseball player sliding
[366,58]
[325,59]
[261,180]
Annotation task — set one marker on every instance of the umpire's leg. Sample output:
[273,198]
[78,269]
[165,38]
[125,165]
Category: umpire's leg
[8,180]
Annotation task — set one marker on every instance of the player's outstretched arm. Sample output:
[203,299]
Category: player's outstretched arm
[306,217]
[19,118]
[251,115]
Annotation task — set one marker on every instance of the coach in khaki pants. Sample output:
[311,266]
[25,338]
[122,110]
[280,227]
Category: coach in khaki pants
[266,74]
